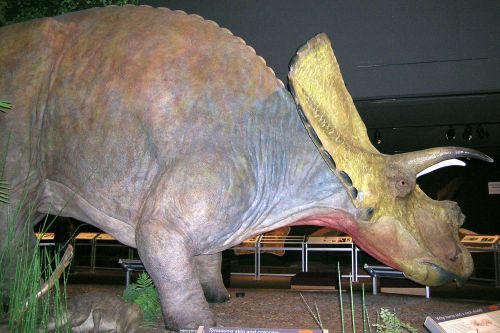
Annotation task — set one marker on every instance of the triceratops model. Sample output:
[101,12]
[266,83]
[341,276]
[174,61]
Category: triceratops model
[170,134]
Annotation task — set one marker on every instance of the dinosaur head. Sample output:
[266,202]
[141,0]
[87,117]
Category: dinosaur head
[397,223]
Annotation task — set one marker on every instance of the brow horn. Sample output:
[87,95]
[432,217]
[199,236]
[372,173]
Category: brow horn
[420,160]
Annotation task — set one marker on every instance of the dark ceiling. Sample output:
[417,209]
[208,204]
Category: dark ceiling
[413,123]
[414,68]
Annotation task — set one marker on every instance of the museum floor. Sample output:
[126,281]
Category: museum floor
[270,303]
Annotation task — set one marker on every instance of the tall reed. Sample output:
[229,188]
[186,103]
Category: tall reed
[389,323]
[28,264]
[23,260]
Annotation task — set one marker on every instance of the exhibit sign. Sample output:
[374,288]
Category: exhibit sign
[329,240]
[203,329]
[482,320]
[480,241]
[493,187]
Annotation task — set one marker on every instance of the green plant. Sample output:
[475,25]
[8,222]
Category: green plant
[5,105]
[3,8]
[13,11]
[315,314]
[144,294]
[4,185]
[28,312]
[4,191]
[392,324]
[25,264]
[341,303]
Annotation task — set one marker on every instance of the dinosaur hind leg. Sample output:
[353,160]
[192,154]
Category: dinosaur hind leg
[209,273]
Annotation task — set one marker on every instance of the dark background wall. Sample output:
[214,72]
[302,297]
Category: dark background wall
[480,208]
[414,68]
[385,48]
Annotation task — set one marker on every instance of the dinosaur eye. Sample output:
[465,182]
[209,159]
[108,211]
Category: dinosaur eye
[400,182]
[403,187]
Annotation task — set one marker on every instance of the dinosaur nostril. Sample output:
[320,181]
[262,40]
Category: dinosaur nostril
[455,256]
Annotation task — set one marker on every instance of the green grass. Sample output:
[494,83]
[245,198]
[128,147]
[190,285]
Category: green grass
[4,185]
[27,313]
[387,322]
[33,264]
[5,105]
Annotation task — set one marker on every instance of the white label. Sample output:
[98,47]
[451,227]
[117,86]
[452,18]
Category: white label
[493,187]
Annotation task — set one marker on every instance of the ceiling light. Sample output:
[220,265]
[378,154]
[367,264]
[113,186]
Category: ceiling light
[467,135]
[450,133]
[377,137]
[481,132]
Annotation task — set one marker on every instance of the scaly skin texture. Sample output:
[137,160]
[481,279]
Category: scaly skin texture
[170,134]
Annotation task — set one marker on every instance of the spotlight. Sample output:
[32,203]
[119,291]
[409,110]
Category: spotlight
[467,135]
[377,137]
[481,132]
[450,133]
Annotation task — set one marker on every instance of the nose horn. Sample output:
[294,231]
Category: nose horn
[420,160]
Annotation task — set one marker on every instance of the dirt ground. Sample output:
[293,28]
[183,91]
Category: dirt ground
[284,308]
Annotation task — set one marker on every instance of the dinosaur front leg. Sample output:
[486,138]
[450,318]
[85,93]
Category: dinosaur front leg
[209,274]
[168,257]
